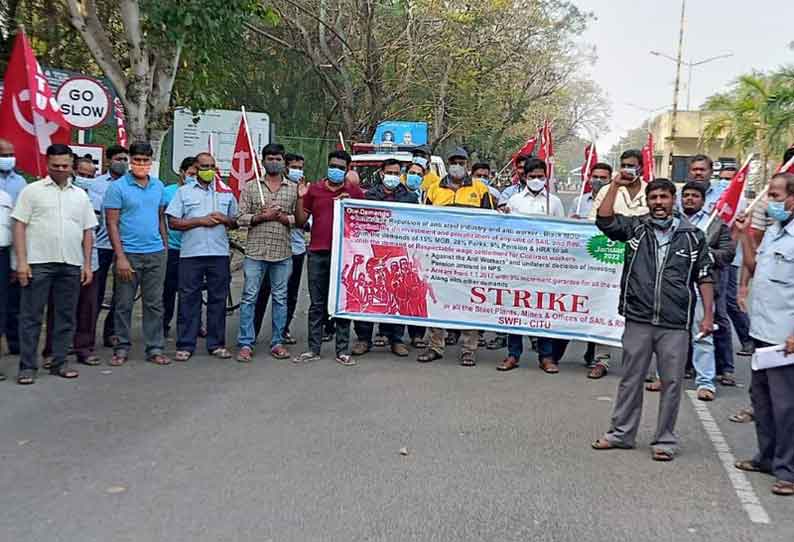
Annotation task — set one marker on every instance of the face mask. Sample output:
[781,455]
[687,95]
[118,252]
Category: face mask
[117,169]
[82,181]
[413,181]
[336,176]
[190,179]
[777,211]
[421,161]
[274,168]
[484,180]
[7,163]
[391,181]
[536,185]
[597,186]
[662,223]
[630,171]
[456,171]
[723,184]
[295,175]
[206,175]
[140,170]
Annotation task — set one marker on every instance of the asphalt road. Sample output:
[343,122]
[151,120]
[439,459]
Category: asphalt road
[219,451]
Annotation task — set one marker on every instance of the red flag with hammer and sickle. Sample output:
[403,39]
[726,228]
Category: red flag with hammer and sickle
[244,160]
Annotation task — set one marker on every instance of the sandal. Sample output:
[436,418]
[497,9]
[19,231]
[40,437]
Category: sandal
[597,371]
[508,364]
[656,385]
[784,488]
[728,380]
[451,339]
[661,455]
[428,355]
[346,360]
[91,361]
[549,367]
[748,465]
[118,360]
[279,352]
[705,395]
[221,353]
[604,444]
[379,341]
[64,372]
[467,359]
[289,339]
[25,379]
[182,355]
[46,363]
[245,355]
[421,344]
[158,359]
[307,357]
[744,415]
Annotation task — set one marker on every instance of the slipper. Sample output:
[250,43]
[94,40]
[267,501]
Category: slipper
[549,367]
[467,359]
[307,357]
[279,352]
[604,444]
[91,361]
[118,360]
[428,355]
[64,372]
[783,488]
[221,353]
[182,355]
[656,385]
[25,380]
[748,465]
[745,415]
[158,359]
[661,455]
[346,360]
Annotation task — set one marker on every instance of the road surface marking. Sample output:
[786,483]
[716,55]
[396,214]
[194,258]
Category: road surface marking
[744,490]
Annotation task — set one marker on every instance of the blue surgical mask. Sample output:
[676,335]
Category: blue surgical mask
[391,181]
[484,180]
[7,163]
[777,211]
[723,184]
[295,175]
[336,176]
[81,182]
[413,181]
[190,179]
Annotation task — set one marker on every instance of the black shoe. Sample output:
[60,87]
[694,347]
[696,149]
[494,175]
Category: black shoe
[497,343]
[748,349]
[689,374]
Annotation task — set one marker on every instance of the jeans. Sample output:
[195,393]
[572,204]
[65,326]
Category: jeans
[278,273]
[5,281]
[11,330]
[63,282]
[551,348]
[702,354]
[84,342]
[293,289]
[741,322]
[105,256]
[194,273]
[319,269]
[723,336]
[150,276]
[170,288]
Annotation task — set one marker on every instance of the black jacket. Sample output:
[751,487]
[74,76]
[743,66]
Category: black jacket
[401,194]
[668,300]
[722,247]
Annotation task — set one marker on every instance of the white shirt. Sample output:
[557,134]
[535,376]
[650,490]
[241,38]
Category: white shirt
[625,205]
[56,219]
[6,207]
[584,208]
[527,203]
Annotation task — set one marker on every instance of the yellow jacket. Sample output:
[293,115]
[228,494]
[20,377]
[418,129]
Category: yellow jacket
[430,180]
[470,194]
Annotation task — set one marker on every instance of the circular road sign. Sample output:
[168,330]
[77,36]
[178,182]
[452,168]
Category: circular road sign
[84,102]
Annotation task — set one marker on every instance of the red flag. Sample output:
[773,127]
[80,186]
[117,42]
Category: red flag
[590,160]
[726,206]
[788,167]
[648,163]
[527,149]
[30,117]
[243,161]
[121,130]
[546,152]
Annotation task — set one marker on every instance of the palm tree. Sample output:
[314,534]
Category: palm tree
[757,114]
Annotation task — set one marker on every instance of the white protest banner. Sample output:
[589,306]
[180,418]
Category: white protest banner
[458,268]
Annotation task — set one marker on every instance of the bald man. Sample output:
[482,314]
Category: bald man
[12,184]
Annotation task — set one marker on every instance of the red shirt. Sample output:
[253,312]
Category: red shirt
[319,201]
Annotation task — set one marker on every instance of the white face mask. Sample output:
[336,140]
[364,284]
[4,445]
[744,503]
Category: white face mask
[536,185]
[7,163]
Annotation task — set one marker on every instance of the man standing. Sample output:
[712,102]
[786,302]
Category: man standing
[53,236]
[187,175]
[723,249]
[771,316]
[135,218]
[534,200]
[389,189]
[457,189]
[202,214]
[294,172]
[422,155]
[97,189]
[599,178]
[269,208]
[666,251]
[12,184]
[319,203]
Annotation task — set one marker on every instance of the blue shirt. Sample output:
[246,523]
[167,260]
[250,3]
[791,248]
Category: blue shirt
[509,192]
[139,221]
[713,193]
[174,236]
[12,183]
[195,201]
[96,189]
[298,241]
[772,297]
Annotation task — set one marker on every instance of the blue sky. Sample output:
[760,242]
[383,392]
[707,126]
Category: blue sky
[757,33]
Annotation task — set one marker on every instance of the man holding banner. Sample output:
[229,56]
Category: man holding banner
[658,319]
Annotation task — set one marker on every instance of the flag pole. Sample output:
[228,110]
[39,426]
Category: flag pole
[254,158]
[783,167]
[583,173]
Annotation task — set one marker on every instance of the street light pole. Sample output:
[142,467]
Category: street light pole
[674,119]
